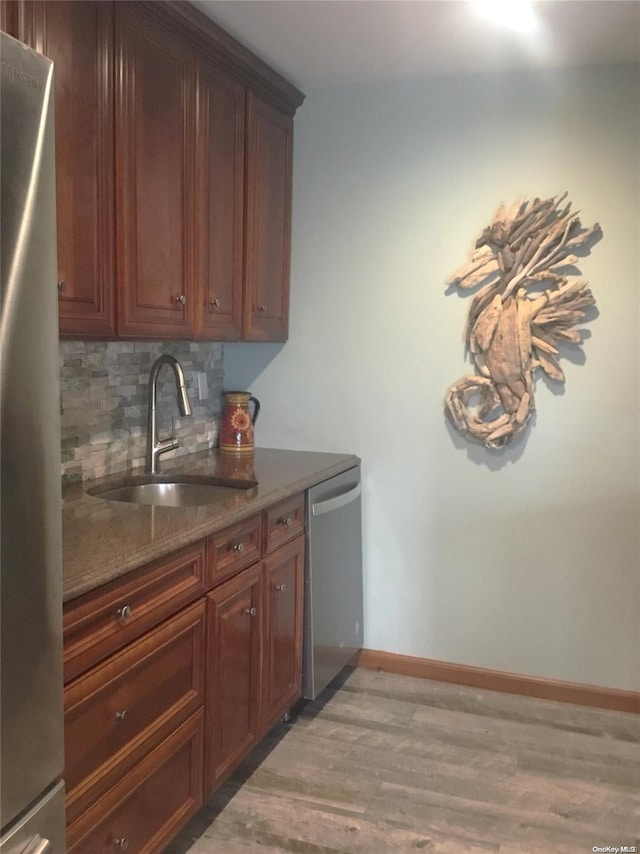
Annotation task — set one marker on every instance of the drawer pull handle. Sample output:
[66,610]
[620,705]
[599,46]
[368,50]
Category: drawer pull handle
[122,716]
[251,611]
[62,286]
[121,843]
[238,547]
[123,613]
[285,521]
[38,845]
[281,587]
[181,299]
[262,309]
[214,303]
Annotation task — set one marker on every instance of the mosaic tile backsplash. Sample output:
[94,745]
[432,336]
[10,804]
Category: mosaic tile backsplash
[103,402]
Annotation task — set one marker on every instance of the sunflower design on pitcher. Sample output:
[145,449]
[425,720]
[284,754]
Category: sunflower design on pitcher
[241,420]
[236,429]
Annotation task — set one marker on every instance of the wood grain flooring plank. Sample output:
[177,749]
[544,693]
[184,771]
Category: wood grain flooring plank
[618,773]
[368,709]
[621,725]
[513,734]
[425,810]
[607,806]
[403,741]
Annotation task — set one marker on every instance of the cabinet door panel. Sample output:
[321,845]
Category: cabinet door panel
[78,37]
[268,222]
[120,709]
[104,620]
[220,211]
[283,522]
[283,632]
[233,673]
[147,807]
[155,94]
[233,549]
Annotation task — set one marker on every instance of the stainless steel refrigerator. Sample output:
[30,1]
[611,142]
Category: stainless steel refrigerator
[31,724]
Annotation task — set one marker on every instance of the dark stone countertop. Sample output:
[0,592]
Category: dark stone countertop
[103,539]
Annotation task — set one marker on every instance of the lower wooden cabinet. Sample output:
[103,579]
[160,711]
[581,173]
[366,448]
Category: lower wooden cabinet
[162,703]
[147,807]
[107,619]
[282,647]
[254,656]
[234,642]
[116,712]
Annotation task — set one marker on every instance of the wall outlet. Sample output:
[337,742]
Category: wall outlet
[203,390]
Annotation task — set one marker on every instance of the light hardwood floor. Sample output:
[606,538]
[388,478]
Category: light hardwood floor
[390,763]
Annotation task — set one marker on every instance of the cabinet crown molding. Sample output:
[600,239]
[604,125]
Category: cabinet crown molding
[229,54]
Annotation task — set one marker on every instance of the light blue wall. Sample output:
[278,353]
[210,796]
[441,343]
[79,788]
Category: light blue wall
[525,560]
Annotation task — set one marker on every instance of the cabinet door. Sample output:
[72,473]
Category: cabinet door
[78,37]
[233,673]
[282,657]
[155,102]
[268,222]
[220,205]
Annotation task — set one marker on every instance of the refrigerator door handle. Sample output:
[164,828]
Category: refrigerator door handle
[335,503]
[38,845]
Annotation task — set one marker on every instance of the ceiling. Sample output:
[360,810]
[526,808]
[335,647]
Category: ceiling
[328,42]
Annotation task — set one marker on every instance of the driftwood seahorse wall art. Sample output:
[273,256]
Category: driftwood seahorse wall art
[526,306]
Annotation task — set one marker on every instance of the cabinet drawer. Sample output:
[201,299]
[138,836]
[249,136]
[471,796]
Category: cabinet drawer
[104,620]
[145,809]
[283,522]
[233,549]
[120,709]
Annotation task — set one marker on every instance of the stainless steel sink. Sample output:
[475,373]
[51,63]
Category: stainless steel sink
[174,493]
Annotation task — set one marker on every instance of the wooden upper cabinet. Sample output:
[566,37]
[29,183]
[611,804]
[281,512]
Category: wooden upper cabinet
[268,222]
[173,161]
[78,37]
[155,176]
[220,204]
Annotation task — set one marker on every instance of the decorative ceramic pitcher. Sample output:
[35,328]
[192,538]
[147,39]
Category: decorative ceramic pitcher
[236,428]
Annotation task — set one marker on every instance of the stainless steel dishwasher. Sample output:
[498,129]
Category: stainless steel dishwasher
[333,581]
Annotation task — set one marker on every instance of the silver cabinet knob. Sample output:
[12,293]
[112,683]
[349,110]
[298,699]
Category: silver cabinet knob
[123,613]
[286,521]
[281,588]
[238,547]
[214,303]
[251,612]
[121,843]
[62,286]
[262,309]
[181,300]
[122,716]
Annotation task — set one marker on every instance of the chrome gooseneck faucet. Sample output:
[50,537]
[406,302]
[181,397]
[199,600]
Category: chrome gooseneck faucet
[155,446]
